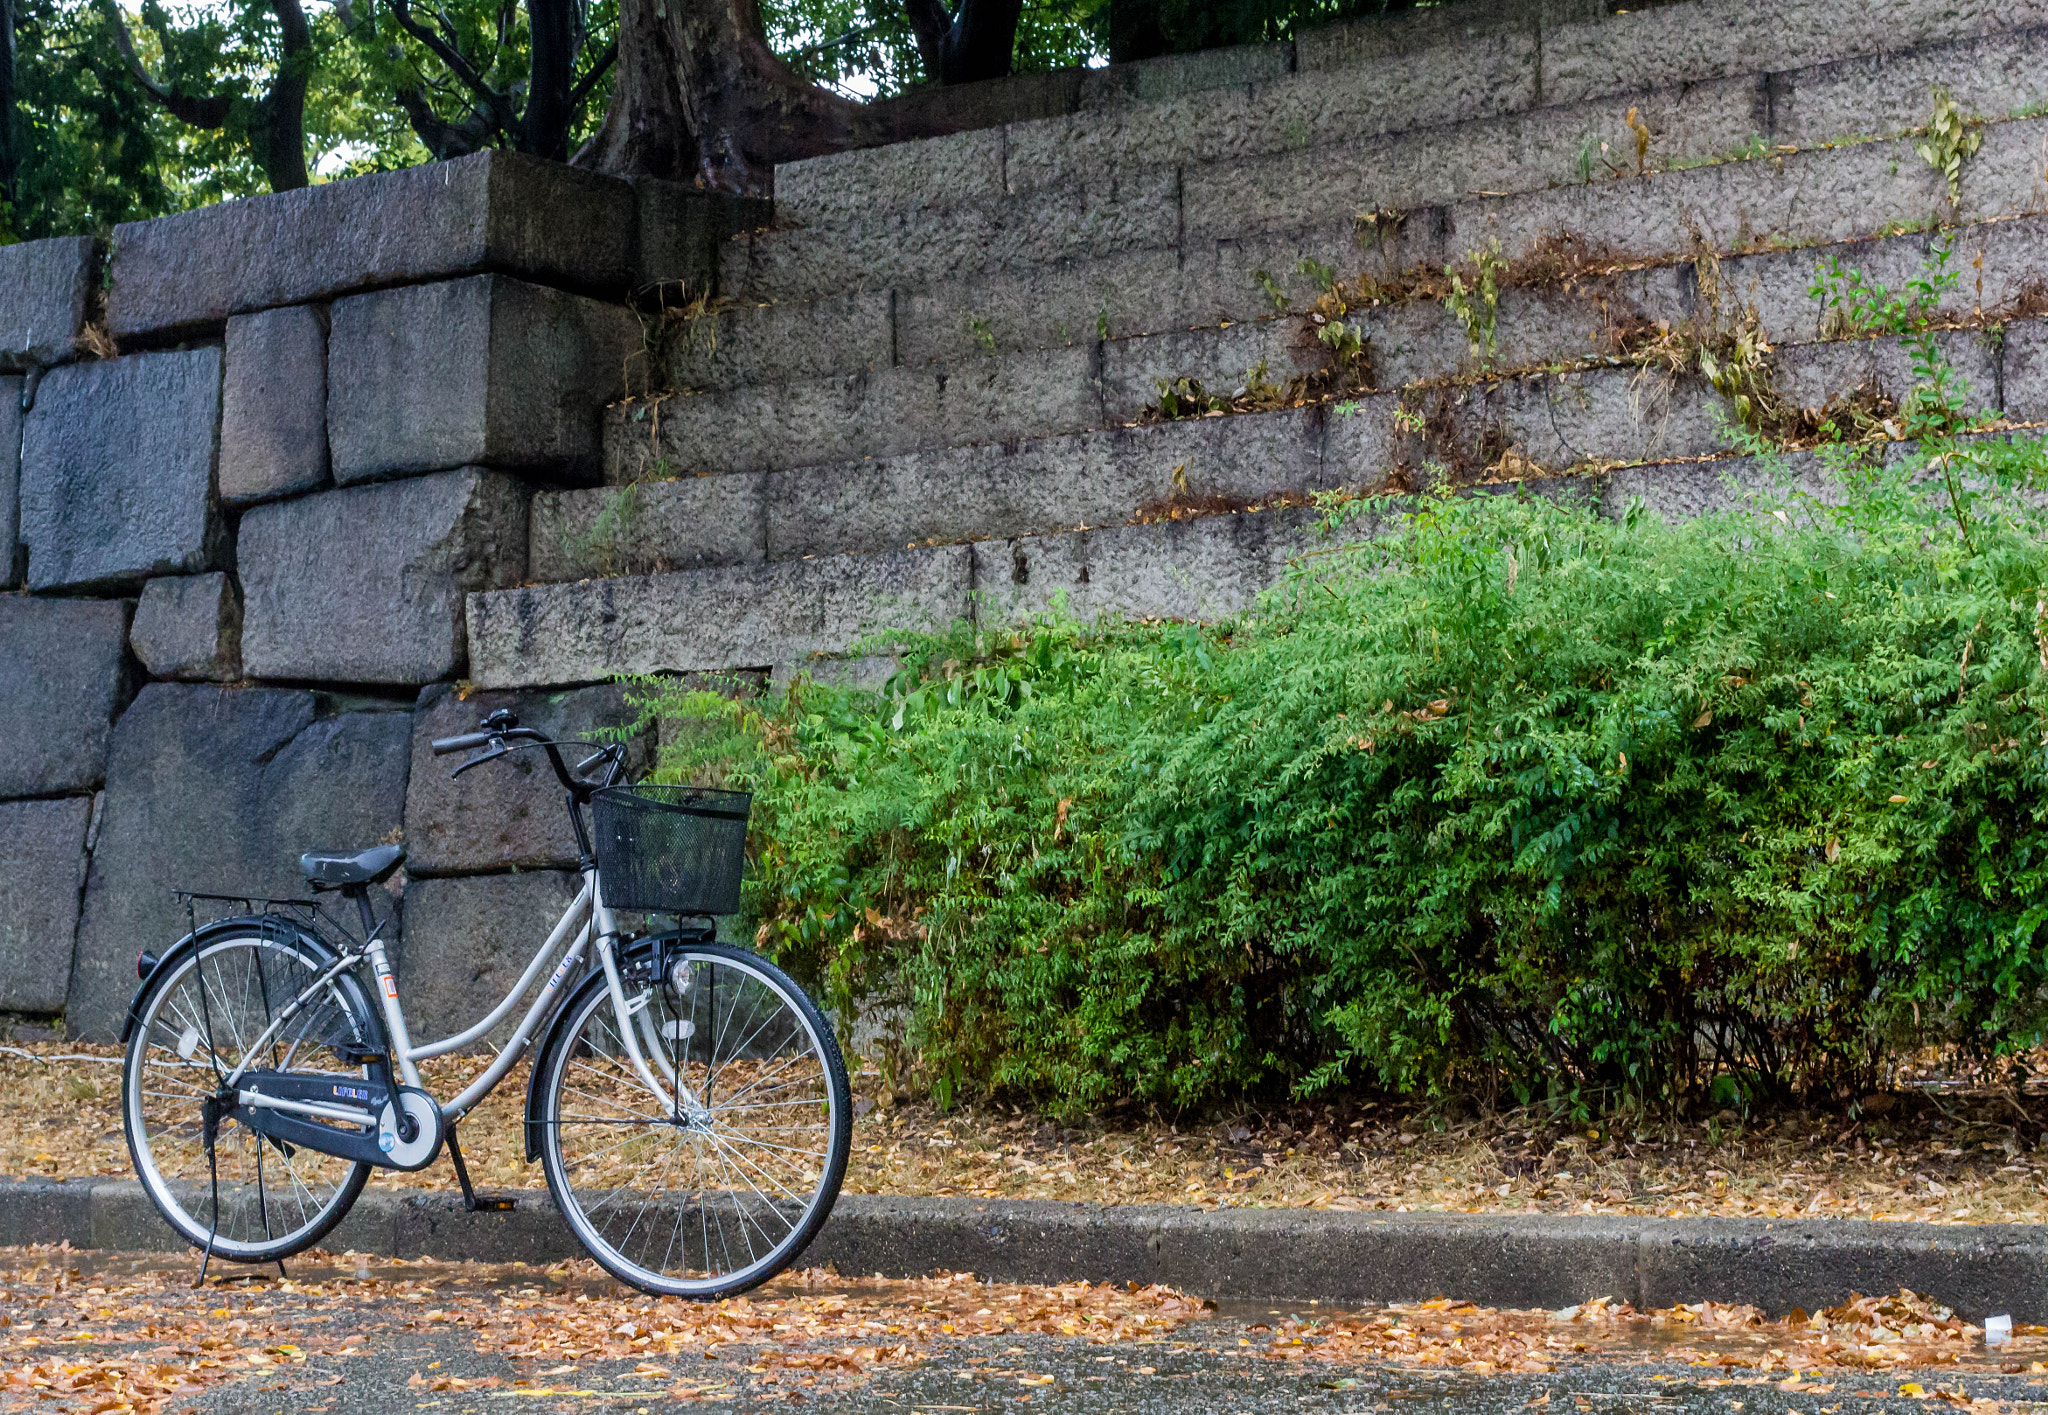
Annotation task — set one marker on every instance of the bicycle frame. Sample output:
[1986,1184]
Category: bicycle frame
[589,910]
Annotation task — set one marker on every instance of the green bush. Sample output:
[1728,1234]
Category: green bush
[1511,799]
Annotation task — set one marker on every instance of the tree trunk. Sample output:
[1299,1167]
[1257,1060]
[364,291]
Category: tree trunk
[1135,31]
[979,42]
[699,95]
[544,127]
[10,125]
[278,130]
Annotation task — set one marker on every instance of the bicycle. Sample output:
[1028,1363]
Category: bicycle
[688,1101]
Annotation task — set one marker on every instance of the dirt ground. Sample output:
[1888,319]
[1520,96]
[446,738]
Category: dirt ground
[1947,1150]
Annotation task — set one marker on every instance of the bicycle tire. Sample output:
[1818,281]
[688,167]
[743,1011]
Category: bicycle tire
[606,1080]
[170,1020]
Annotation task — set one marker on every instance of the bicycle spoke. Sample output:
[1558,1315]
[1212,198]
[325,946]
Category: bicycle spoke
[214,1005]
[757,1169]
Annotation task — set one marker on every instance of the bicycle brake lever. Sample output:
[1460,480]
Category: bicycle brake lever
[497,749]
[601,754]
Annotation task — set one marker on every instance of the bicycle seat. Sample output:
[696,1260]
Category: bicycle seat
[332,870]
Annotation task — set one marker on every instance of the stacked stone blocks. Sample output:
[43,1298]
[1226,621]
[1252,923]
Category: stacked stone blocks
[250,467]
[954,342]
[350,483]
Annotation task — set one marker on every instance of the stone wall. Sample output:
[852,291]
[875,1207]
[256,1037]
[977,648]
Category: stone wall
[251,462]
[291,485]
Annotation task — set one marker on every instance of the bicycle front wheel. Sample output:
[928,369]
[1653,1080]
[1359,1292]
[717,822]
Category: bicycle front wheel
[712,1186]
[253,1199]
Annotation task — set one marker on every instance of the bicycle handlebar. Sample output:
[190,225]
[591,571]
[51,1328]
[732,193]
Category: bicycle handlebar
[496,740]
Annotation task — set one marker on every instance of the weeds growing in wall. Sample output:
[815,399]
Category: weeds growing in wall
[1474,300]
[1950,140]
[607,545]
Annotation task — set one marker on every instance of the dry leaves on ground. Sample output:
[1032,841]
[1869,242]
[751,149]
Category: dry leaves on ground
[107,1334]
[1903,1330]
[1967,1154]
[891,1321]
[110,1341]
[112,1334]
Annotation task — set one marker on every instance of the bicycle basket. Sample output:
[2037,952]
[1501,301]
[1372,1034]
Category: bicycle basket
[671,849]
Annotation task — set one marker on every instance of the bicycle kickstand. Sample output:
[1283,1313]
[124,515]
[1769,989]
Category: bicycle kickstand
[472,1202]
[209,1130]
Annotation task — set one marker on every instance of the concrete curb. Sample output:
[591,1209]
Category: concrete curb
[1504,1260]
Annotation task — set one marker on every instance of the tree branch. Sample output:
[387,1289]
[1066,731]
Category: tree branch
[401,10]
[930,22]
[439,136]
[280,135]
[208,112]
[981,41]
[597,71]
[9,124]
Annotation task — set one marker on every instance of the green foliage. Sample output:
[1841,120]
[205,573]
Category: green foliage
[1275,295]
[1322,276]
[866,49]
[606,543]
[1181,26]
[1851,305]
[1347,343]
[494,41]
[90,143]
[1186,398]
[1506,797]
[96,150]
[229,51]
[1936,409]
[1951,140]
[1510,798]
[1474,299]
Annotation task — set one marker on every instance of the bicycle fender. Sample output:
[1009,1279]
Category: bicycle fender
[312,942]
[631,952]
[546,1049]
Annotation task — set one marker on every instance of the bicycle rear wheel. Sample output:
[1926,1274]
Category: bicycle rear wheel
[255,1200]
[714,1191]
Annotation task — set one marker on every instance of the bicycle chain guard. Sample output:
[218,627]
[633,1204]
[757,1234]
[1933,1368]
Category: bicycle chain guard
[408,1128]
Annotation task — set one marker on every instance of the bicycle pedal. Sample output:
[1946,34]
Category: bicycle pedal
[487,1204]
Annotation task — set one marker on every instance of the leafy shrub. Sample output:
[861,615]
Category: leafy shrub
[1510,798]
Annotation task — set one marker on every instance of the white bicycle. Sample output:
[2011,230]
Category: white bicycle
[687,1100]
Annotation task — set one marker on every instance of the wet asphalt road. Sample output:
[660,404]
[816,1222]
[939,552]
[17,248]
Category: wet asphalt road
[1203,1371]
[377,1351]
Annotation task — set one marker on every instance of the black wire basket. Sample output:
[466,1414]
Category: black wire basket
[671,849]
